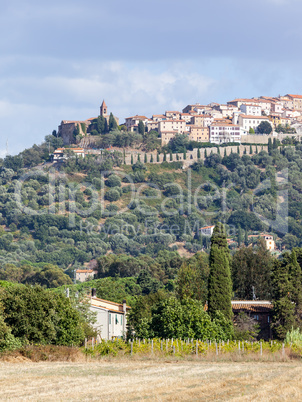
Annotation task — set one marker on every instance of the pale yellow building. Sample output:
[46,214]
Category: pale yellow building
[172,125]
[199,134]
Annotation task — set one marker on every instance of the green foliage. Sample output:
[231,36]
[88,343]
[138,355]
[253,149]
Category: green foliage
[141,128]
[178,143]
[220,283]
[36,315]
[112,195]
[264,128]
[174,319]
[245,328]
[192,279]
[284,308]
[294,336]
[113,181]
[7,339]
[112,123]
[251,272]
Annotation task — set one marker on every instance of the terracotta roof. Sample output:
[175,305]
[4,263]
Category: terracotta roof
[173,120]
[256,306]
[207,227]
[108,301]
[245,116]
[84,271]
[294,96]
[137,117]
[223,125]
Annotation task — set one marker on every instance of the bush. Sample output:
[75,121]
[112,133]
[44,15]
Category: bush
[37,315]
[113,181]
[112,195]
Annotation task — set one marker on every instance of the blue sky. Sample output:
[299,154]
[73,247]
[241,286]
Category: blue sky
[60,59]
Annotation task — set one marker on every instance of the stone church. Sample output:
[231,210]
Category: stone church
[67,127]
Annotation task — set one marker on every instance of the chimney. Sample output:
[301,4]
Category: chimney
[124,306]
[93,292]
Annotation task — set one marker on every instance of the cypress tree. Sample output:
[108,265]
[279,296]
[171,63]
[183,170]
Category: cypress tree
[101,124]
[105,126]
[139,157]
[269,146]
[157,157]
[256,149]
[225,154]
[284,309]
[295,277]
[112,123]
[165,157]
[124,154]
[275,144]
[151,159]
[238,150]
[239,235]
[146,160]
[244,152]
[185,154]
[141,128]
[246,238]
[171,157]
[177,157]
[218,150]
[198,153]
[131,159]
[220,283]
[205,153]
[251,150]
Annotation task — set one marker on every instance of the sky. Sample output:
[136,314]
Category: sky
[60,59]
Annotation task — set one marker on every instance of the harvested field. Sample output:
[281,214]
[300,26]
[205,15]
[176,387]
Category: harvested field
[126,380]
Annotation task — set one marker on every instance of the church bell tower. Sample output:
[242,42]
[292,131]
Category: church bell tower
[103,109]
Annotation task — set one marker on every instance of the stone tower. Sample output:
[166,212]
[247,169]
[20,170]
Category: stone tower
[103,109]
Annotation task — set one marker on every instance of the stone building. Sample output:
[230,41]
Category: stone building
[68,128]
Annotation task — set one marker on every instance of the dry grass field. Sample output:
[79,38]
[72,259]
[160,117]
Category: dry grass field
[126,380]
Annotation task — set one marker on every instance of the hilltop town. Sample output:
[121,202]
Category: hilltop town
[238,121]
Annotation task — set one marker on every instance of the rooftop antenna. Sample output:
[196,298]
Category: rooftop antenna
[254,295]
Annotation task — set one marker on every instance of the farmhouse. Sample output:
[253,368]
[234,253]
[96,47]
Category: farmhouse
[111,317]
[258,310]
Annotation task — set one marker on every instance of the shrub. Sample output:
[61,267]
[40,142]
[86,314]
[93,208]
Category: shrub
[113,181]
[112,195]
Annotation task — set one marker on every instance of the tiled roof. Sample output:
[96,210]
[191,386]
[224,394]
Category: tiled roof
[245,116]
[84,271]
[256,306]
[295,96]
[137,117]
